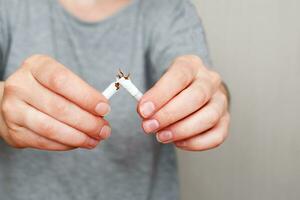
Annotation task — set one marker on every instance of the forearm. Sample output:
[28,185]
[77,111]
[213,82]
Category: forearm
[3,127]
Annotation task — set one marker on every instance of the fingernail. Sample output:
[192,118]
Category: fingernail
[102,109]
[164,136]
[92,143]
[181,143]
[150,125]
[147,109]
[105,132]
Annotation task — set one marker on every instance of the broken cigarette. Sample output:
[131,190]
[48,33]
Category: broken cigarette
[126,83]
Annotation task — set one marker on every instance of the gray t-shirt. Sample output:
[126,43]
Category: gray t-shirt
[142,39]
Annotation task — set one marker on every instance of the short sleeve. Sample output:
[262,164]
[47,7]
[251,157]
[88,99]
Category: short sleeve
[2,33]
[177,31]
[3,36]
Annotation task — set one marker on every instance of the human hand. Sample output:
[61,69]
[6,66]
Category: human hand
[46,106]
[187,106]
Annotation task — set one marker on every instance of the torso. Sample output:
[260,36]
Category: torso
[129,163]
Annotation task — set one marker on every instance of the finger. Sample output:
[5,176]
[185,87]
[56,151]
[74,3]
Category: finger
[65,111]
[177,77]
[198,122]
[24,137]
[52,129]
[61,80]
[208,140]
[184,104]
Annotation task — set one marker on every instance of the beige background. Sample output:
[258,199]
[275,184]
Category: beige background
[255,45]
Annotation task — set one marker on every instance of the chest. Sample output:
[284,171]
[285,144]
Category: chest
[93,51]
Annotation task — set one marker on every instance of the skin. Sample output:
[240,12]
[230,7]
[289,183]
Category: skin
[188,106]
[41,109]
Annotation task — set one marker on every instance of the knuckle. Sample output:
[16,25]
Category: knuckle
[18,84]
[165,115]
[95,125]
[218,140]
[60,108]
[191,59]
[83,142]
[27,63]
[44,127]
[193,63]
[196,59]
[11,87]
[181,132]
[15,140]
[87,123]
[91,125]
[220,101]
[88,100]
[184,80]
[184,76]
[79,139]
[58,78]
[200,95]
[41,143]
[215,77]
[31,59]
[212,116]
[8,110]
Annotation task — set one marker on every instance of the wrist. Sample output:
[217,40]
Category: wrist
[3,127]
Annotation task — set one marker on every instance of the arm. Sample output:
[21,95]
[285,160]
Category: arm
[188,104]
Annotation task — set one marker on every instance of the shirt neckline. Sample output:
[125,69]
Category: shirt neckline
[107,19]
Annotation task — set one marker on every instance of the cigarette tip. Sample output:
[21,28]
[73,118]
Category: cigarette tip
[121,74]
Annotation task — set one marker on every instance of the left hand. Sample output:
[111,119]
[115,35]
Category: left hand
[187,106]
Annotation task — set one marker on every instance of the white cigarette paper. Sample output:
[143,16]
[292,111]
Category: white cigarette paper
[124,81]
[131,88]
[110,90]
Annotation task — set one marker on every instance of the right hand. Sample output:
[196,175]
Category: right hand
[46,106]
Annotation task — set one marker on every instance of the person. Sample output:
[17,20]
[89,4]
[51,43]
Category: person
[57,56]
